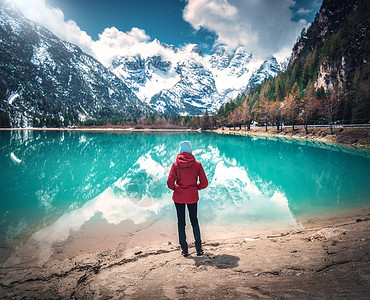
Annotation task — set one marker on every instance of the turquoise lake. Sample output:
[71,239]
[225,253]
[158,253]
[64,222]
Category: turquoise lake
[58,180]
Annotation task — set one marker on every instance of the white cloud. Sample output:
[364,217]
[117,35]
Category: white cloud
[53,19]
[111,43]
[303,11]
[262,26]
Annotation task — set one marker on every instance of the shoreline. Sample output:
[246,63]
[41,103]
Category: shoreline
[128,261]
[354,137]
[298,263]
[105,129]
[96,234]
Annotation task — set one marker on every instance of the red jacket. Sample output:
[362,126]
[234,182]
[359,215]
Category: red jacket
[183,179]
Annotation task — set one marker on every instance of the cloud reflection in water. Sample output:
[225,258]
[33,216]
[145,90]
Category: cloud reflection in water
[65,178]
[141,194]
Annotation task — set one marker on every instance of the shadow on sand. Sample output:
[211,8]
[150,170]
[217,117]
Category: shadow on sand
[223,261]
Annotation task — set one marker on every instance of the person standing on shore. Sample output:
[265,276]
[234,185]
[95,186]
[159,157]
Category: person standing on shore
[183,180]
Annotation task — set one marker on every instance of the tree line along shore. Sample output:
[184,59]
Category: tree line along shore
[357,136]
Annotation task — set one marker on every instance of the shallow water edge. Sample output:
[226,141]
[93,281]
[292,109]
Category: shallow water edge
[254,188]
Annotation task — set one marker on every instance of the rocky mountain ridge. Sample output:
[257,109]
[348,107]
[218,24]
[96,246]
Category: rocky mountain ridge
[45,81]
[337,46]
[49,82]
[327,79]
[189,83]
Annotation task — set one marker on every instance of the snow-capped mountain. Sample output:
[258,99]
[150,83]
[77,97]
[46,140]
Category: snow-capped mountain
[187,83]
[145,76]
[269,68]
[45,81]
[48,82]
[232,70]
[192,94]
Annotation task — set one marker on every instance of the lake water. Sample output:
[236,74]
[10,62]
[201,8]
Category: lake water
[53,182]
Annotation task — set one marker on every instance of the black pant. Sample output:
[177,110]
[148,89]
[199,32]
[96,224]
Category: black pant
[192,208]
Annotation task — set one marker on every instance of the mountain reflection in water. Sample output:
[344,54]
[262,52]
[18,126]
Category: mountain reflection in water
[55,181]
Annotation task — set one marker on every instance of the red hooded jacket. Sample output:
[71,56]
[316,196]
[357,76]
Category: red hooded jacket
[183,179]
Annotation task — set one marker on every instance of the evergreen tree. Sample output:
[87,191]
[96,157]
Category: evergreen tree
[205,121]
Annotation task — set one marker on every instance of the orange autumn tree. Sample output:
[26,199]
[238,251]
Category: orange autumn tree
[291,104]
[309,105]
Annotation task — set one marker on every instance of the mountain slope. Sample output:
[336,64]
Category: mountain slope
[192,94]
[187,83]
[269,69]
[327,79]
[232,69]
[335,55]
[48,82]
[145,76]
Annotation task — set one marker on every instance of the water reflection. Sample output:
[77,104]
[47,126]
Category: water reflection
[58,172]
[56,181]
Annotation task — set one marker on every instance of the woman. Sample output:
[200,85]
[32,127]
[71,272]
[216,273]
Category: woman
[183,180]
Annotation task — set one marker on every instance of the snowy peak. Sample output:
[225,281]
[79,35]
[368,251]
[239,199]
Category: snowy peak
[269,68]
[185,82]
[191,95]
[239,63]
[145,76]
[196,49]
[189,68]
[232,70]
[220,60]
[233,62]
[50,82]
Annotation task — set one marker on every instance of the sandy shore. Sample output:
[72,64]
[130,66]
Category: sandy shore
[357,137]
[322,261]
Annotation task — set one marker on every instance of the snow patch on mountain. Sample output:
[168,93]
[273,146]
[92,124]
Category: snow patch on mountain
[12,97]
[183,81]
[70,85]
[269,68]
[41,55]
[232,71]
[52,82]
[191,95]
[146,76]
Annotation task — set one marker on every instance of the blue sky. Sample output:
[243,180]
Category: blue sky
[161,19]
[264,26]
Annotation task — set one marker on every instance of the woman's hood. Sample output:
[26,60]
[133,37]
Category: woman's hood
[185,160]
